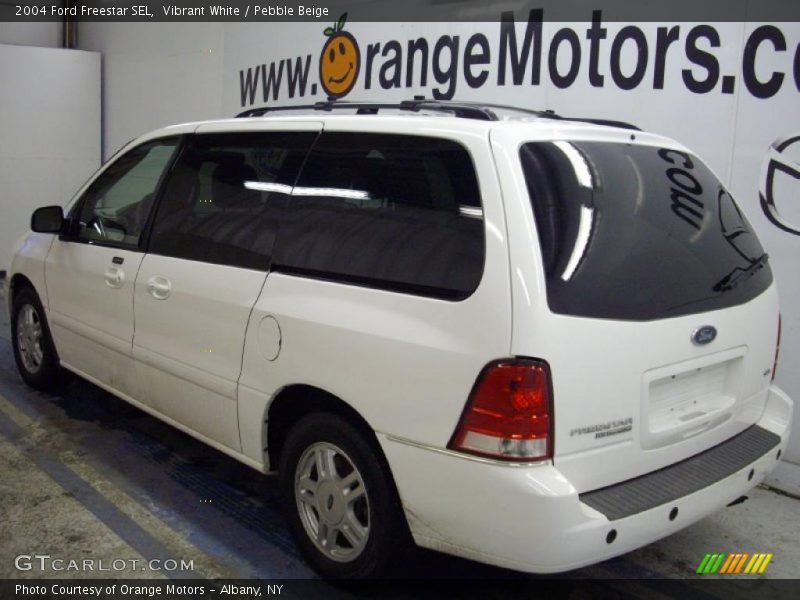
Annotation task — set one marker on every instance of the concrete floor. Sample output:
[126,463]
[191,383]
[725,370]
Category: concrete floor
[83,475]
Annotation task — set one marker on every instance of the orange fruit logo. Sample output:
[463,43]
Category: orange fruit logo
[340,61]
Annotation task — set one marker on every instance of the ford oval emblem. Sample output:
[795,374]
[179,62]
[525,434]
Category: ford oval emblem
[704,335]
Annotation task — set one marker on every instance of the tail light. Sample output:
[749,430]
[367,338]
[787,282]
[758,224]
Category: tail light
[777,349]
[509,414]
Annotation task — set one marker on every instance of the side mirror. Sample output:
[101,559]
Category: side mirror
[48,219]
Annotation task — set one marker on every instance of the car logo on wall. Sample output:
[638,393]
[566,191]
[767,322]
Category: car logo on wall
[780,184]
[704,335]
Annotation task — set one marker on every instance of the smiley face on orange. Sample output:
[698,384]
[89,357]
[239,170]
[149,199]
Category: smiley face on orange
[340,61]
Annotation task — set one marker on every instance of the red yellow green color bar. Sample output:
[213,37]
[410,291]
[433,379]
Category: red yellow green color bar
[735,562]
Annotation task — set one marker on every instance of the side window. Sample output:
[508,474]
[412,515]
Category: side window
[222,200]
[395,212]
[115,207]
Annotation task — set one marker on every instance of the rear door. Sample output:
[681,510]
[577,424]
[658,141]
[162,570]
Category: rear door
[209,252]
[655,305]
[389,285]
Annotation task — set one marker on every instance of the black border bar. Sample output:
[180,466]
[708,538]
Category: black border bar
[329,11]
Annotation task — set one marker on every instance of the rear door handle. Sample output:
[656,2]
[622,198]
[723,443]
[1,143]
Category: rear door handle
[159,287]
[114,277]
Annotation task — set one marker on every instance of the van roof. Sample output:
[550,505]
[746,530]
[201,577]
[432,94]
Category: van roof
[453,115]
[480,111]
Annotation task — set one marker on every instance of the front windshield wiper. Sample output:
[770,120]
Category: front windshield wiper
[732,279]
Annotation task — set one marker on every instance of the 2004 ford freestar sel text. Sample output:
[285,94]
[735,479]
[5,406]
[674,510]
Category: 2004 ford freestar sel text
[474,327]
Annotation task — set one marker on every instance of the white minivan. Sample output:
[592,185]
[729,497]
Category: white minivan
[532,341]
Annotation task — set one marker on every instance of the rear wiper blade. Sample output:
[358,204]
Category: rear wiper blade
[732,279]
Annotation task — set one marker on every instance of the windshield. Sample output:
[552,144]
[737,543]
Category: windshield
[638,232]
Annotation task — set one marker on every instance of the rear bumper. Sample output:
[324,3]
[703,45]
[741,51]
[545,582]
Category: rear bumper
[510,516]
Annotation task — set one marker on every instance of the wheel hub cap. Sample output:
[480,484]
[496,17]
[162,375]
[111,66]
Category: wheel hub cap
[29,339]
[332,502]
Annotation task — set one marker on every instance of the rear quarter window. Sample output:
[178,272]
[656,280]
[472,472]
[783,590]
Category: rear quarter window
[395,212]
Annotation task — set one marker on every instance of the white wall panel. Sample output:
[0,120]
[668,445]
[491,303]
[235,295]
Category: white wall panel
[155,75]
[49,132]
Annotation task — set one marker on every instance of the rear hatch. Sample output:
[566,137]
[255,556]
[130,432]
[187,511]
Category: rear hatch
[660,319]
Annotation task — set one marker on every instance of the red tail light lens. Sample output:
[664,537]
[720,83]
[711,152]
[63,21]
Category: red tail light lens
[777,349]
[509,413]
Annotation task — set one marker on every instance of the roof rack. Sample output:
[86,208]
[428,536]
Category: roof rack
[458,109]
[467,110]
[608,122]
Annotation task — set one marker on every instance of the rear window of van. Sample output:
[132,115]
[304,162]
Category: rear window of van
[638,232]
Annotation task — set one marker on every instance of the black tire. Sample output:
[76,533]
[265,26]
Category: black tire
[387,538]
[48,375]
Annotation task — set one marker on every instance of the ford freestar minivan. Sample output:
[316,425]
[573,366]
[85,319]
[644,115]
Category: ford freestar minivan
[532,341]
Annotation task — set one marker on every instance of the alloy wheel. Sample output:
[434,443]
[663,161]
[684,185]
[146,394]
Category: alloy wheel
[29,338]
[332,502]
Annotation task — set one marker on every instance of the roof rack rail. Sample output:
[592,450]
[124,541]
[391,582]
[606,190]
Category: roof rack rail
[458,109]
[468,110]
[609,122]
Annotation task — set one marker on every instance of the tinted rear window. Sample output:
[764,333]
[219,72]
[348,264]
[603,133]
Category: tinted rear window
[638,232]
[395,212]
[221,203]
